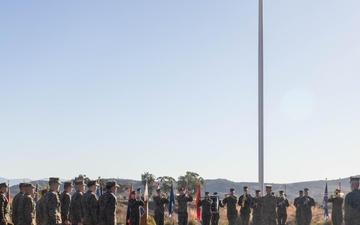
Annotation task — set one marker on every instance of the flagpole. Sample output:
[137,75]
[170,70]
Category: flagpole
[261,97]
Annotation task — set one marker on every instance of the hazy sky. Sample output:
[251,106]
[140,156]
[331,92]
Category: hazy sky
[117,88]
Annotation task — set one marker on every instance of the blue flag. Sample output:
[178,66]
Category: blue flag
[98,191]
[172,201]
[326,213]
[142,211]
[36,193]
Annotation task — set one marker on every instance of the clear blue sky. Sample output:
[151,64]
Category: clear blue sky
[117,88]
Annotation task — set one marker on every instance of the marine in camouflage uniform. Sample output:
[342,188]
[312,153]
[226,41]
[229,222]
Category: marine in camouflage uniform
[256,213]
[215,210]
[205,205]
[4,204]
[352,203]
[182,200]
[268,207]
[15,204]
[160,202]
[245,211]
[305,204]
[230,203]
[298,209]
[89,204]
[40,206]
[52,211]
[282,209]
[76,212]
[27,210]
[65,200]
[336,213]
[134,205]
[107,204]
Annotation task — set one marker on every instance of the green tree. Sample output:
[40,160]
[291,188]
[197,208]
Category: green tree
[150,179]
[192,179]
[166,183]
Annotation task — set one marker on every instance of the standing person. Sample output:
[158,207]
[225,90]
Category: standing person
[15,204]
[230,202]
[89,204]
[102,205]
[298,208]
[135,204]
[27,208]
[205,204]
[215,210]
[244,203]
[160,202]
[282,208]
[268,207]
[108,205]
[65,200]
[52,211]
[182,200]
[256,213]
[4,204]
[76,212]
[40,206]
[337,202]
[305,204]
[352,203]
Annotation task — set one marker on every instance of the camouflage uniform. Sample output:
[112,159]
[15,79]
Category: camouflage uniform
[245,212]
[15,208]
[282,211]
[52,210]
[305,204]
[159,209]
[90,208]
[256,213]
[27,211]
[40,206]
[268,209]
[4,204]
[182,208]
[135,210]
[65,200]
[298,211]
[232,212]
[336,213]
[352,208]
[107,209]
[206,210]
[76,212]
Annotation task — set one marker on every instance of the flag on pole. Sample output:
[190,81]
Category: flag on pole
[8,193]
[186,188]
[98,191]
[128,208]
[158,186]
[198,199]
[339,185]
[36,197]
[144,213]
[172,201]
[326,213]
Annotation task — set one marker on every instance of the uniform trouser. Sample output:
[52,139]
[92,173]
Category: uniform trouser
[215,218]
[134,220]
[298,217]
[159,219]
[306,218]
[336,218]
[282,218]
[183,218]
[206,218]
[256,220]
[244,218]
[232,218]
[268,222]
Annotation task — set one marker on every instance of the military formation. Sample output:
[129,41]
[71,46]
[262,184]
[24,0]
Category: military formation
[86,208]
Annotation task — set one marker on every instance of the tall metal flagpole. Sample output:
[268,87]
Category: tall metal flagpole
[261,97]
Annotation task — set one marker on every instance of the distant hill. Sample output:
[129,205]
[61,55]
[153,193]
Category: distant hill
[222,186]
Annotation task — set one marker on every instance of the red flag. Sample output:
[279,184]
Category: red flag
[128,208]
[8,193]
[198,199]
[186,189]
[158,186]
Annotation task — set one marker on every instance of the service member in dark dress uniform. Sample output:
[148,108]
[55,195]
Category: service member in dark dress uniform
[215,209]
[337,202]
[135,204]
[89,204]
[205,205]
[52,212]
[255,205]
[27,208]
[76,211]
[282,208]
[160,200]
[4,204]
[230,201]
[245,203]
[305,204]
[65,200]
[352,203]
[182,200]
[15,204]
[298,209]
